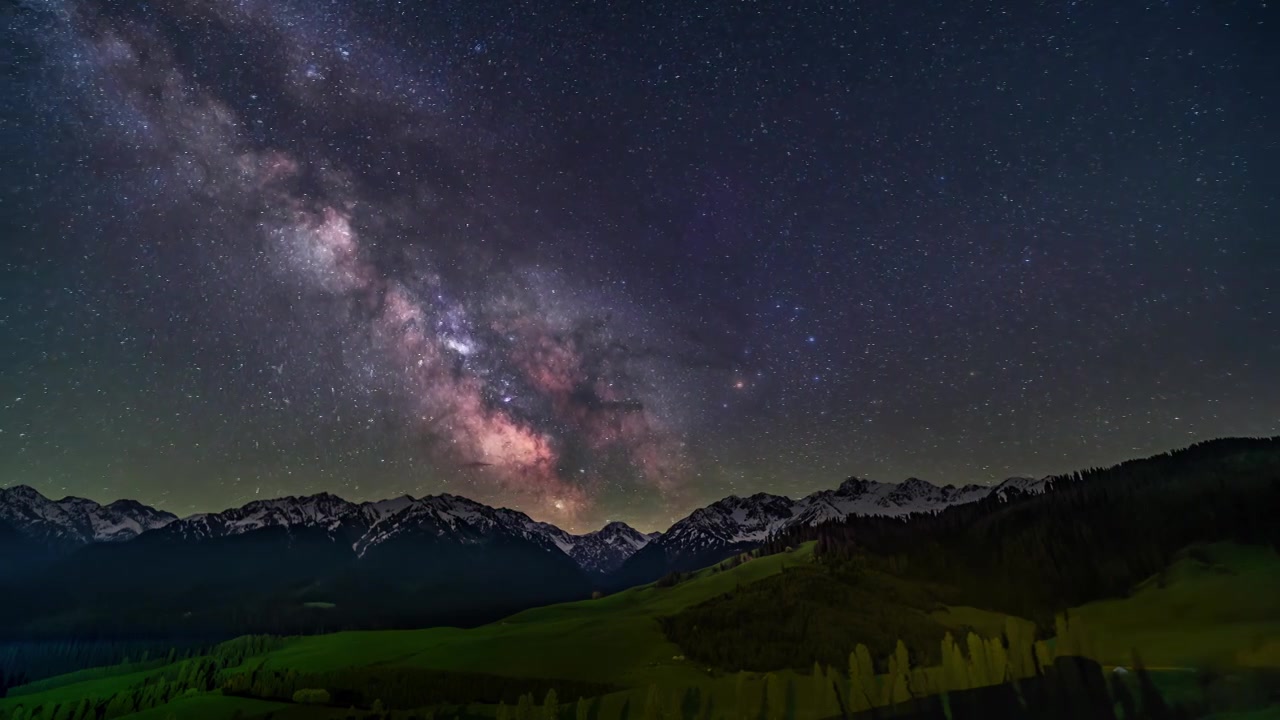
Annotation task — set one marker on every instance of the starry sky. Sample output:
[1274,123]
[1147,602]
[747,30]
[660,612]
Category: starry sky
[616,260]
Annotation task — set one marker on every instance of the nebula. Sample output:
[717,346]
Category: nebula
[519,390]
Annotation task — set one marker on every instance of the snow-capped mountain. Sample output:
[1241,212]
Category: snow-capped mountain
[736,520]
[369,524]
[604,550]
[1029,486]
[76,521]
[729,523]
[738,523]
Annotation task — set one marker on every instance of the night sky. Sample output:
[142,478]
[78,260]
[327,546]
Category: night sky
[615,260]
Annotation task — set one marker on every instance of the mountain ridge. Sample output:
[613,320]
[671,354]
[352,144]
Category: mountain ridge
[725,524]
[372,522]
[736,523]
[77,520]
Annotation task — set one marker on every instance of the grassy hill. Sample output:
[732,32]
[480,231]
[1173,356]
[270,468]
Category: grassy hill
[615,640]
[1216,605]
[566,641]
[1213,605]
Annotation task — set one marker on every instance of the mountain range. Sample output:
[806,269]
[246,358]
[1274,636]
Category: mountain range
[323,562]
[728,523]
[76,521]
[735,524]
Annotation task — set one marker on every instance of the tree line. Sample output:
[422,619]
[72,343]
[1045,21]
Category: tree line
[1098,532]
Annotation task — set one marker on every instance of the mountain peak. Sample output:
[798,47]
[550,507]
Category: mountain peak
[75,520]
[614,526]
[444,516]
[604,550]
[855,486]
[735,522]
[22,491]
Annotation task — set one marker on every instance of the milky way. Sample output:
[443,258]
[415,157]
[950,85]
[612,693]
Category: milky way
[518,388]
[595,263]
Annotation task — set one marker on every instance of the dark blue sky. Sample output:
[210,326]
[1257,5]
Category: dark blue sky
[601,261]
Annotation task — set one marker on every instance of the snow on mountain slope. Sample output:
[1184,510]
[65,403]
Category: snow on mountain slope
[725,523]
[324,510]
[1030,486]
[369,524]
[741,521]
[605,550]
[76,521]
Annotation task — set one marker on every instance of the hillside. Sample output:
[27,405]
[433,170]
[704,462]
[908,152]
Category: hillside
[321,563]
[1214,606]
[618,641]
[560,643]
[1172,554]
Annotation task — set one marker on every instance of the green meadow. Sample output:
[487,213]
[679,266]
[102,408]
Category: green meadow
[1214,606]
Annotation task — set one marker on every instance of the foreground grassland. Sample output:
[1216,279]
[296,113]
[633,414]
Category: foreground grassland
[1214,606]
[615,640]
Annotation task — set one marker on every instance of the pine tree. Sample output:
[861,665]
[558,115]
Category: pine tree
[690,704]
[896,688]
[955,673]
[524,710]
[997,661]
[1062,646]
[652,705]
[978,664]
[1021,642]
[821,693]
[817,689]
[1044,658]
[740,702]
[582,710]
[706,706]
[789,700]
[762,710]
[551,706]
[862,680]
[777,696]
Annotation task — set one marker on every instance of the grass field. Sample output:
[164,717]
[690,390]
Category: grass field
[74,686]
[614,640]
[212,706]
[559,641]
[1214,605]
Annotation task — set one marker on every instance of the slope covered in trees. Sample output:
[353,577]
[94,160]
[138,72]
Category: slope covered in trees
[1095,535]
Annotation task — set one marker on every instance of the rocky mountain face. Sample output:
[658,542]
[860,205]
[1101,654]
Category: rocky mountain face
[76,521]
[603,551]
